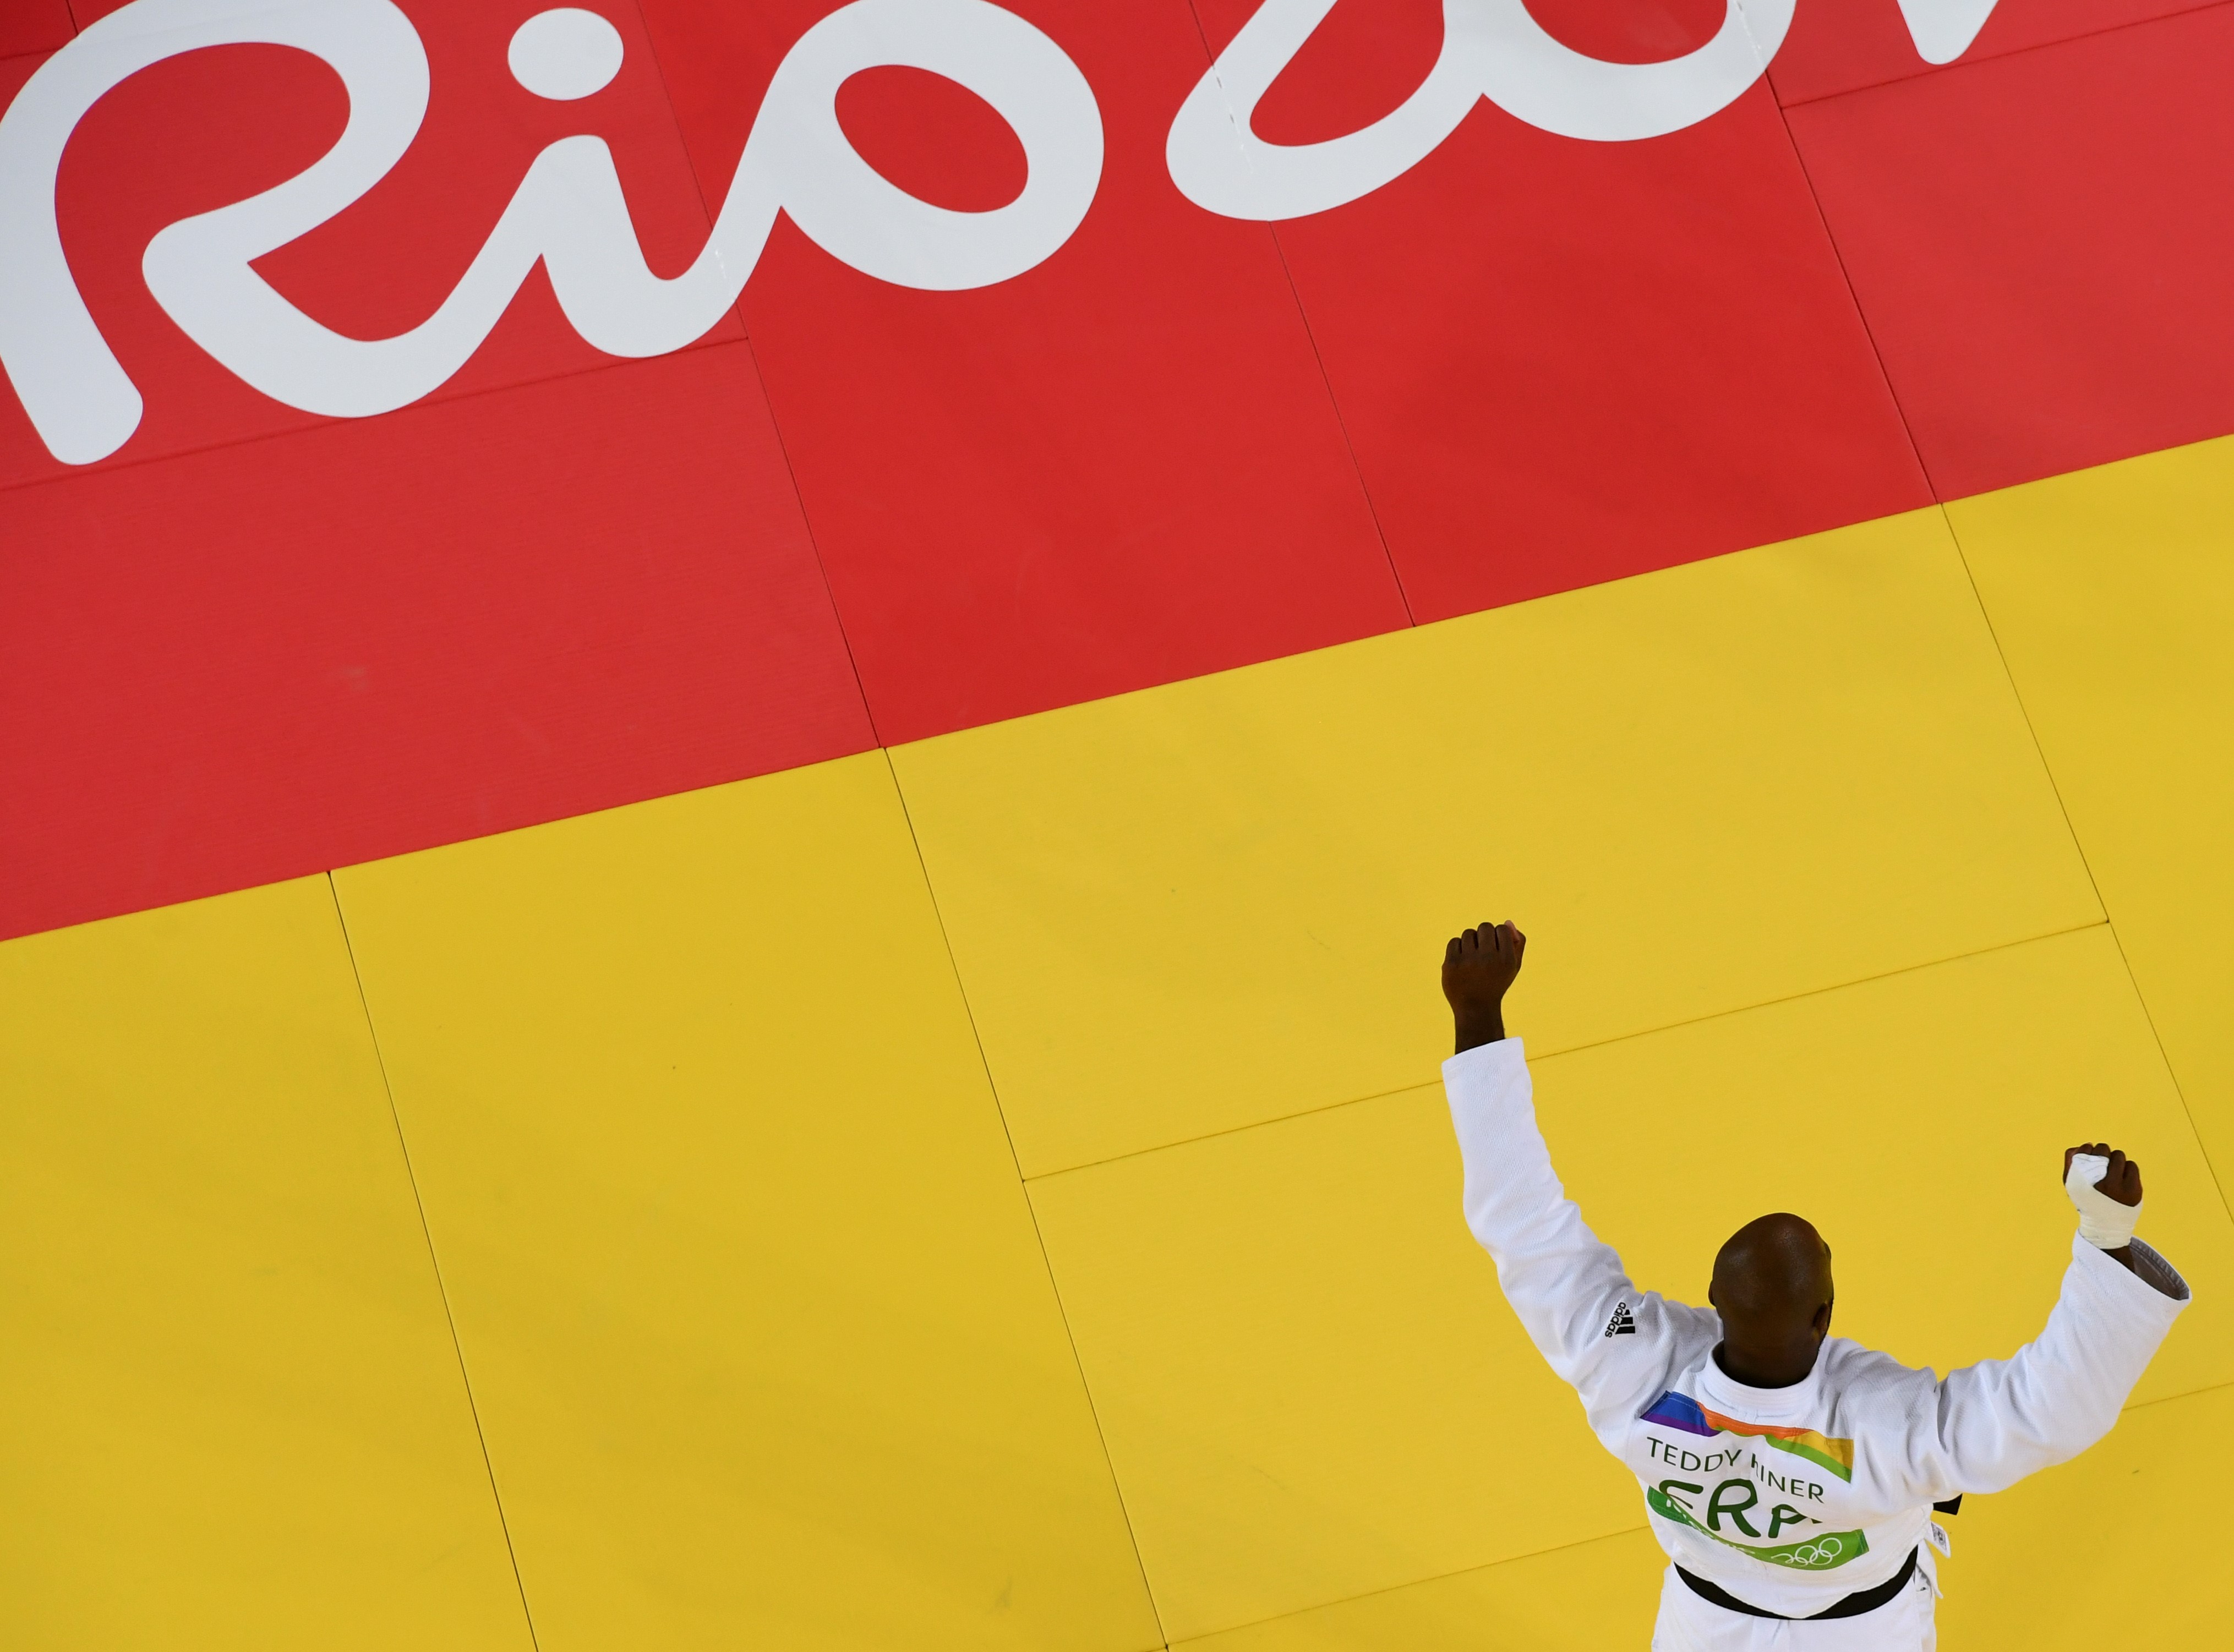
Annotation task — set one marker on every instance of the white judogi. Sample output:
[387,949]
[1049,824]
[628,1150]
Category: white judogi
[1788,1498]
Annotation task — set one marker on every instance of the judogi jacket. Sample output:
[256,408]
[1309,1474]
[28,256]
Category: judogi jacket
[1789,1498]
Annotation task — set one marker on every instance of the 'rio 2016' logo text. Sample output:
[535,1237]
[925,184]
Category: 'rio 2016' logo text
[569,213]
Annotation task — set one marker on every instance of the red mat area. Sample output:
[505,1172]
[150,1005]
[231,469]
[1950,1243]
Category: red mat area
[255,641]
[2037,245]
[1847,44]
[274,657]
[1565,362]
[1120,468]
[199,130]
[34,26]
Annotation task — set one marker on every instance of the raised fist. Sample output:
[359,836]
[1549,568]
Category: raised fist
[2121,1182]
[1477,967]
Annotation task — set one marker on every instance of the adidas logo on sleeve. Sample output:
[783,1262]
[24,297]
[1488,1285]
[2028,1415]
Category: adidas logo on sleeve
[1623,1324]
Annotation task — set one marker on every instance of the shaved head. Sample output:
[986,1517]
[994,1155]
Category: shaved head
[1773,1289]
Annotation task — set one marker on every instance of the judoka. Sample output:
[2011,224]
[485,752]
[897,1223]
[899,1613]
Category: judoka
[1791,1475]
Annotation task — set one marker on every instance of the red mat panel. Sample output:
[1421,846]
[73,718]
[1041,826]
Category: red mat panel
[270,658]
[1562,362]
[1120,468]
[1840,45]
[2039,247]
[193,133]
[33,26]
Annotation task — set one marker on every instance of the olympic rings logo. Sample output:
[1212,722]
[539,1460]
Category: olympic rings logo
[1823,1551]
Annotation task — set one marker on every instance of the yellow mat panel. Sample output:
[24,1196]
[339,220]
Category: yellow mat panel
[2122,1524]
[1583,1598]
[2112,594]
[1203,905]
[1312,1389]
[234,1415]
[761,1336]
[1310,1385]
[1920,1122]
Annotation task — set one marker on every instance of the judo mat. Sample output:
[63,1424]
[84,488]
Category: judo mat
[784,993]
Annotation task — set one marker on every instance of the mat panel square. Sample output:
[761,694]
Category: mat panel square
[2024,240]
[759,1332]
[1309,1382]
[1563,362]
[2112,596]
[235,1414]
[286,655]
[2118,1512]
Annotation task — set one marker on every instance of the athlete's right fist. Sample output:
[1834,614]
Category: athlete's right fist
[1478,966]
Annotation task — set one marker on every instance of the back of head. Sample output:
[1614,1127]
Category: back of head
[1773,1289]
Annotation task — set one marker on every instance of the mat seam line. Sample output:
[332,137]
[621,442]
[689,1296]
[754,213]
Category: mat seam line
[760,379]
[1024,1189]
[1853,293]
[318,423]
[1985,615]
[2174,1399]
[2056,789]
[1967,62]
[1418,1583]
[1318,358]
[434,1262]
[1597,1043]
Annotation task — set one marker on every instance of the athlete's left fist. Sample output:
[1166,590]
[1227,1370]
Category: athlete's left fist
[2121,1182]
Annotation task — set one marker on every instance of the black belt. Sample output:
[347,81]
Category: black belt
[1867,1600]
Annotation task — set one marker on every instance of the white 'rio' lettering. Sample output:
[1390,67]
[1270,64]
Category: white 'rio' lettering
[1491,48]
[568,211]
[1944,30]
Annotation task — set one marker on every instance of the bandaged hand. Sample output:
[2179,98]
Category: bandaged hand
[2106,1187]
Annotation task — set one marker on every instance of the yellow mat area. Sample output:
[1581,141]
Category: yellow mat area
[762,1339]
[1217,902]
[234,1412]
[995,1194]
[2111,592]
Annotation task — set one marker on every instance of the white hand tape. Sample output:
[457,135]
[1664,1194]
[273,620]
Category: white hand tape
[2103,1223]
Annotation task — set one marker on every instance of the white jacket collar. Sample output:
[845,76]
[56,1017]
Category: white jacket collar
[1719,1391]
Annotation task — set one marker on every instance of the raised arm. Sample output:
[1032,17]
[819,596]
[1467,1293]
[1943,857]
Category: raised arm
[2000,1420]
[1614,1344]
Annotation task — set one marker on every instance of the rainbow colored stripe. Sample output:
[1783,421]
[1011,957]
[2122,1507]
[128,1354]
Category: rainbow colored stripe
[1681,1411]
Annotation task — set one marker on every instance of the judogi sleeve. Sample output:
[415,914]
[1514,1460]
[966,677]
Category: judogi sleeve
[1999,1421]
[1614,1344]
